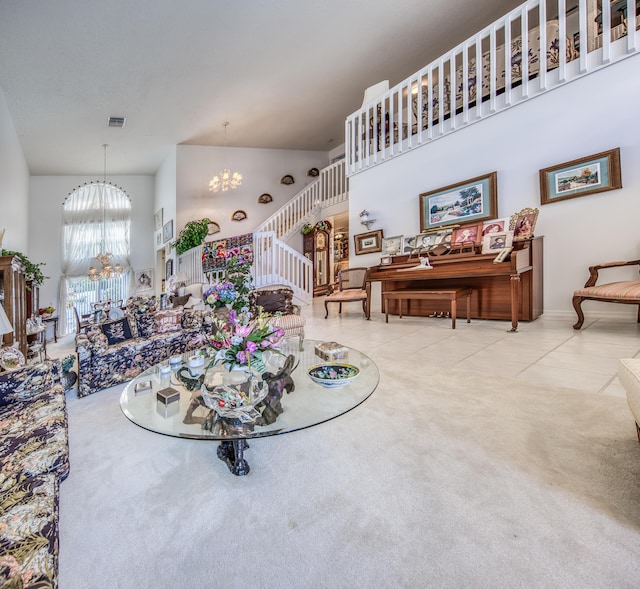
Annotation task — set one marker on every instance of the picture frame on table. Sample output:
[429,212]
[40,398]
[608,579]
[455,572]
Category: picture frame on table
[492,243]
[408,244]
[144,279]
[157,220]
[467,235]
[369,242]
[595,173]
[495,226]
[475,199]
[392,246]
[167,231]
[523,224]
[424,242]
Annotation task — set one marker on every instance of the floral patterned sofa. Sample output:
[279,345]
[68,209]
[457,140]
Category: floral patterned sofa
[117,351]
[34,458]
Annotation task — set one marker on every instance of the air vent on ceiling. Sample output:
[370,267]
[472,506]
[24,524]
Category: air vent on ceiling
[116,121]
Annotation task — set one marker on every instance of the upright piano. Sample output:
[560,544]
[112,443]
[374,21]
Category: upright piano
[509,290]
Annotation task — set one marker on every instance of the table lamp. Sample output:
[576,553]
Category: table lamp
[5,324]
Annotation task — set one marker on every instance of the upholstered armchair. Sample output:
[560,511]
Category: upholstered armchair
[277,302]
[627,292]
[353,285]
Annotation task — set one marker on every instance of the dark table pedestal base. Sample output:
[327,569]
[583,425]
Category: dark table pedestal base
[232,453]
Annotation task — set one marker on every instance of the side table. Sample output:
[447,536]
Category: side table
[53,320]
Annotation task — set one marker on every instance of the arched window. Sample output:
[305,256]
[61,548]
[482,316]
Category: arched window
[96,218]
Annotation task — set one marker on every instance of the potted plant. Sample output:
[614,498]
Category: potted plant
[192,235]
[32,272]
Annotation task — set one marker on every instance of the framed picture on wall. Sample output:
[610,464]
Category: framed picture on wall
[167,231]
[144,279]
[472,200]
[587,175]
[168,271]
[157,220]
[369,242]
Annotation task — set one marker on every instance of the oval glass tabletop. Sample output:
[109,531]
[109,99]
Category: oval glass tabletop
[304,403]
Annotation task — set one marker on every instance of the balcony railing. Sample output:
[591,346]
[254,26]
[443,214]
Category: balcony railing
[471,82]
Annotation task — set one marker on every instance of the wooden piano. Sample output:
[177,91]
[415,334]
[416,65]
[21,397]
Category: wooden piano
[501,290]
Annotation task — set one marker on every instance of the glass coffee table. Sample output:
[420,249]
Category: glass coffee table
[294,402]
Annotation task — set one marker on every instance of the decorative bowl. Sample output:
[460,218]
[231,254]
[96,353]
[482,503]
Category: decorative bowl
[335,374]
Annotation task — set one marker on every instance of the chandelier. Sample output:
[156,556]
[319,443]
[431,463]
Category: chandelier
[106,270]
[225,179]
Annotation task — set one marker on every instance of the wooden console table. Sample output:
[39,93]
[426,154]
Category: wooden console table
[510,290]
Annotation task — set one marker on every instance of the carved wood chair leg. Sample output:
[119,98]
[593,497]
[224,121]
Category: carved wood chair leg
[340,308]
[638,313]
[577,301]
[638,431]
[326,309]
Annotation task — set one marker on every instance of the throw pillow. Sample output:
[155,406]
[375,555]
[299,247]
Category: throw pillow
[146,324]
[274,302]
[180,301]
[117,331]
[168,320]
[191,319]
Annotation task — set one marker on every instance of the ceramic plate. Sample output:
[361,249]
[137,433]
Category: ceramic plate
[335,374]
[116,314]
[11,358]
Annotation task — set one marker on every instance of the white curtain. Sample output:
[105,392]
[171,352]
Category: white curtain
[96,218]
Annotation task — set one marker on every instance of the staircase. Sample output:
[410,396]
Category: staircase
[276,262]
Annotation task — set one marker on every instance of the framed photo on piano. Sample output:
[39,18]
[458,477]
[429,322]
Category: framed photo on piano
[457,204]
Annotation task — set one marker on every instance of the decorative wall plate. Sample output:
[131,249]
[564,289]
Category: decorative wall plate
[212,228]
[265,198]
[288,179]
[239,216]
[116,313]
[11,358]
[313,172]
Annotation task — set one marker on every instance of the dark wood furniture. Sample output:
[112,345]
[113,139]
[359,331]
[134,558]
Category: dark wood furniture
[13,286]
[626,292]
[451,295]
[353,285]
[510,290]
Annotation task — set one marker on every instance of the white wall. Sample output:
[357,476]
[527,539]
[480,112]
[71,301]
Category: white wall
[165,200]
[261,171]
[593,114]
[45,223]
[14,185]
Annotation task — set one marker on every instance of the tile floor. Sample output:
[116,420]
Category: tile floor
[546,351]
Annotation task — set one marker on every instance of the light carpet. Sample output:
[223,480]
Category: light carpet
[454,479]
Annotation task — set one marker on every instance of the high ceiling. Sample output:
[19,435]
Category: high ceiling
[284,73]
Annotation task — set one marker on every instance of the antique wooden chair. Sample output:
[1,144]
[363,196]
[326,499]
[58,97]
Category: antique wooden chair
[353,285]
[626,292]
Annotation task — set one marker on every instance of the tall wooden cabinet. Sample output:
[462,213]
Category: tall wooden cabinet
[14,300]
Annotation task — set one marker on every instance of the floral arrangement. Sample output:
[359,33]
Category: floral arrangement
[243,340]
[141,304]
[221,294]
[306,229]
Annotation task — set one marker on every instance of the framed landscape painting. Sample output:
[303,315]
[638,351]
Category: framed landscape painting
[472,200]
[368,242]
[588,175]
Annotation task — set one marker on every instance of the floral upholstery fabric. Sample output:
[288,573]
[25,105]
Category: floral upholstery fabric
[101,366]
[34,438]
[29,381]
[29,534]
[168,320]
[117,331]
[34,458]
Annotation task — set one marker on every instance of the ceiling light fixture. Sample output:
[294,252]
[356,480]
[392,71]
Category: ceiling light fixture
[106,271]
[225,179]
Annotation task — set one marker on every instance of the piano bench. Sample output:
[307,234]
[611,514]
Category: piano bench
[452,295]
